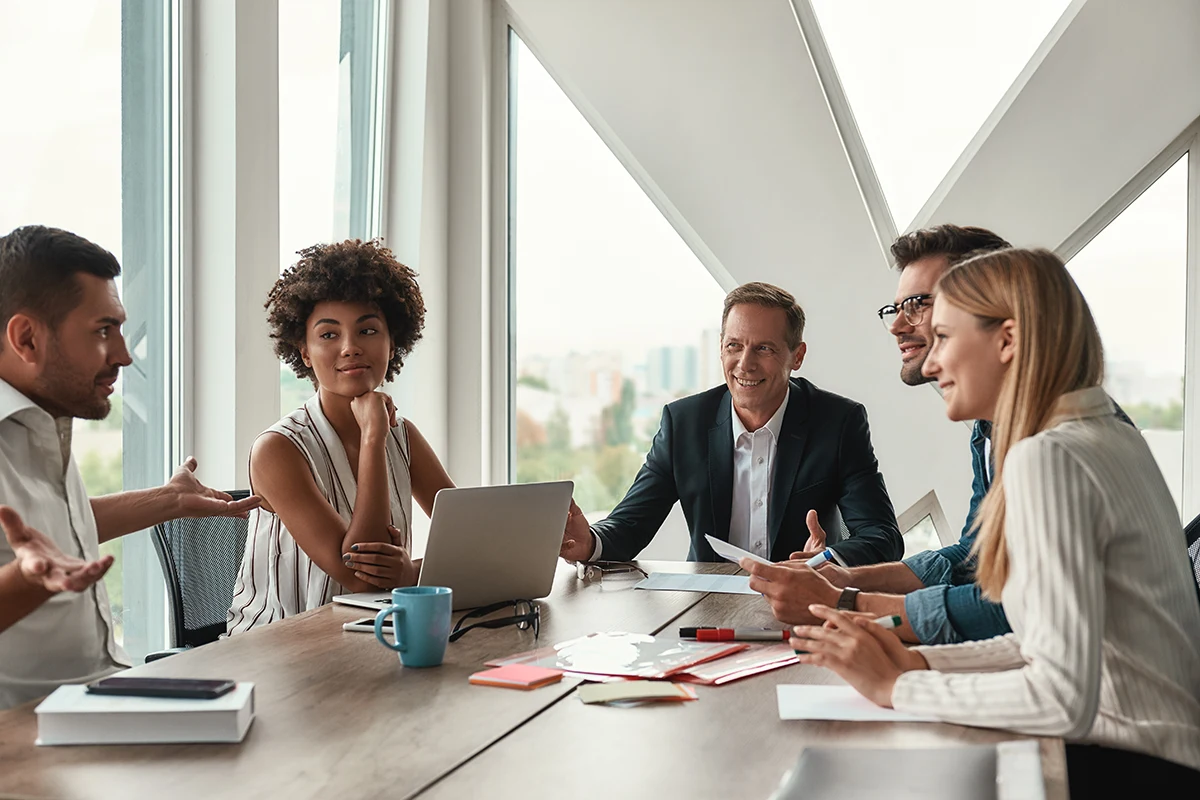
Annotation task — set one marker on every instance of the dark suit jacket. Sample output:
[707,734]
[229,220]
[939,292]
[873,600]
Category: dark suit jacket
[824,461]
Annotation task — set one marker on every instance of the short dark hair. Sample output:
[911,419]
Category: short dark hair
[768,296]
[955,242]
[352,271]
[37,272]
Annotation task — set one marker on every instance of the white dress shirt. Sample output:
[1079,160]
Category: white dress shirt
[1105,647]
[69,638]
[753,475]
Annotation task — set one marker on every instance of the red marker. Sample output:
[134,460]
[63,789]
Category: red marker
[732,635]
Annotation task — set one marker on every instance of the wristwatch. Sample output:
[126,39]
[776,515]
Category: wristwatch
[847,599]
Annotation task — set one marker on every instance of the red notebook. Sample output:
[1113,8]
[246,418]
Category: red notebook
[626,655]
[517,676]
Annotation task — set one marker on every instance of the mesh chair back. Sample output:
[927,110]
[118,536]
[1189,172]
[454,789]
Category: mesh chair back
[1193,541]
[200,560]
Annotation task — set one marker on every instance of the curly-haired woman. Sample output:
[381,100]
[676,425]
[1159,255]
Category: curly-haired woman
[337,476]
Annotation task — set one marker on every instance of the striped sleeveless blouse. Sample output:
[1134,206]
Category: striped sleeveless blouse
[277,578]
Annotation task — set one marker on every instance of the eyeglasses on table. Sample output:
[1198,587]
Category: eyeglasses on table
[526,614]
[596,570]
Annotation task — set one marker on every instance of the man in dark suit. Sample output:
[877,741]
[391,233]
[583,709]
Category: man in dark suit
[762,462]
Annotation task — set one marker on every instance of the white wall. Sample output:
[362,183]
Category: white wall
[231,188]
[1101,100]
[716,110]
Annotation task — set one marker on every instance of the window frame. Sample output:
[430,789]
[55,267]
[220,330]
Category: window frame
[1187,143]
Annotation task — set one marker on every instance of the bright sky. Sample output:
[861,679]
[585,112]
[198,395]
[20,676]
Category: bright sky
[597,267]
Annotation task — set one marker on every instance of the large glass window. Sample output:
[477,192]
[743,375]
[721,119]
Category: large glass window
[1134,276]
[332,80]
[923,75]
[87,146]
[614,316]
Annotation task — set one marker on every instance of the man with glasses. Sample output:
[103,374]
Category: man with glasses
[934,592]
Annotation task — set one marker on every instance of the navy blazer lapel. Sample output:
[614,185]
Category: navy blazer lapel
[787,457]
[720,467]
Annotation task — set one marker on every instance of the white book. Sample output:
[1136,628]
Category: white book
[72,716]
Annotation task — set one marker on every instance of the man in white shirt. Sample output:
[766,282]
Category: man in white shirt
[759,461]
[61,349]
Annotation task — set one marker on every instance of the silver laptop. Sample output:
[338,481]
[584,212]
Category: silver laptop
[493,543]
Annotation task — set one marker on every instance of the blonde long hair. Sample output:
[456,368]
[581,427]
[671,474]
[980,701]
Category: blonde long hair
[1057,350]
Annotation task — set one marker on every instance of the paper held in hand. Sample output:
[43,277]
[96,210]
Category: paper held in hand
[731,552]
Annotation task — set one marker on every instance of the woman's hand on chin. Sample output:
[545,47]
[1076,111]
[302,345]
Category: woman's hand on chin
[374,412]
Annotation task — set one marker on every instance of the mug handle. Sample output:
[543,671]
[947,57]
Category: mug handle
[399,646]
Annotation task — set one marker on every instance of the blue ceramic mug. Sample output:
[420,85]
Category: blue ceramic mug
[421,620]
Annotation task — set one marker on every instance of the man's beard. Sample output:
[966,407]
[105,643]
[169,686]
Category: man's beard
[910,373]
[69,392]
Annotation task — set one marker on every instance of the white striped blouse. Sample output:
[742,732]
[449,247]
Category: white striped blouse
[1105,646]
[277,578]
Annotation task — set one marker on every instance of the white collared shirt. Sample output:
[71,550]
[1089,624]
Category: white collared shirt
[753,475]
[69,638]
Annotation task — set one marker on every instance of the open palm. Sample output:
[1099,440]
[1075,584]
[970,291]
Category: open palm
[194,499]
[42,563]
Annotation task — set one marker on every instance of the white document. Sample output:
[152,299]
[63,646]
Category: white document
[835,703]
[731,552]
[683,582]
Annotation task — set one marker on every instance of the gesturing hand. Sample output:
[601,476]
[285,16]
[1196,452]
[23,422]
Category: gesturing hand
[577,544]
[790,590]
[43,564]
[863,654]
[381,564]
[193,499]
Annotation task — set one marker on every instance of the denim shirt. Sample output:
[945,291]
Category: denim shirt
[951,608]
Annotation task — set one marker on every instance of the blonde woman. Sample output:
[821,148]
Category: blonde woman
[1079,538]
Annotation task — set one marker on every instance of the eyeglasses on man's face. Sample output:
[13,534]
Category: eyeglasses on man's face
[526,614]
[912,307]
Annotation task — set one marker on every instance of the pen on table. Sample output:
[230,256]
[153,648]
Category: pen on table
[820,558]
[732,635]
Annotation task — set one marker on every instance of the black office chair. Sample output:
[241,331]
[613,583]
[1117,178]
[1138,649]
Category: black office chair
[200,560]
[1193,542]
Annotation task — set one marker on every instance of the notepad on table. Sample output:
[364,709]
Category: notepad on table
[836,703]
[636,691]
[517,676]
[626,655]
[755,659]
[687,582]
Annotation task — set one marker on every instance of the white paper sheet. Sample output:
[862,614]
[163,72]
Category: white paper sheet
[681,582]
[731,552]
[835,703]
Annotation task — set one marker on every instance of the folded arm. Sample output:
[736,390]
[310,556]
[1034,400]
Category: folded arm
[281,475]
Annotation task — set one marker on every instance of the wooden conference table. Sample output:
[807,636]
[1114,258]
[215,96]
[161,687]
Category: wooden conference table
[337,716]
